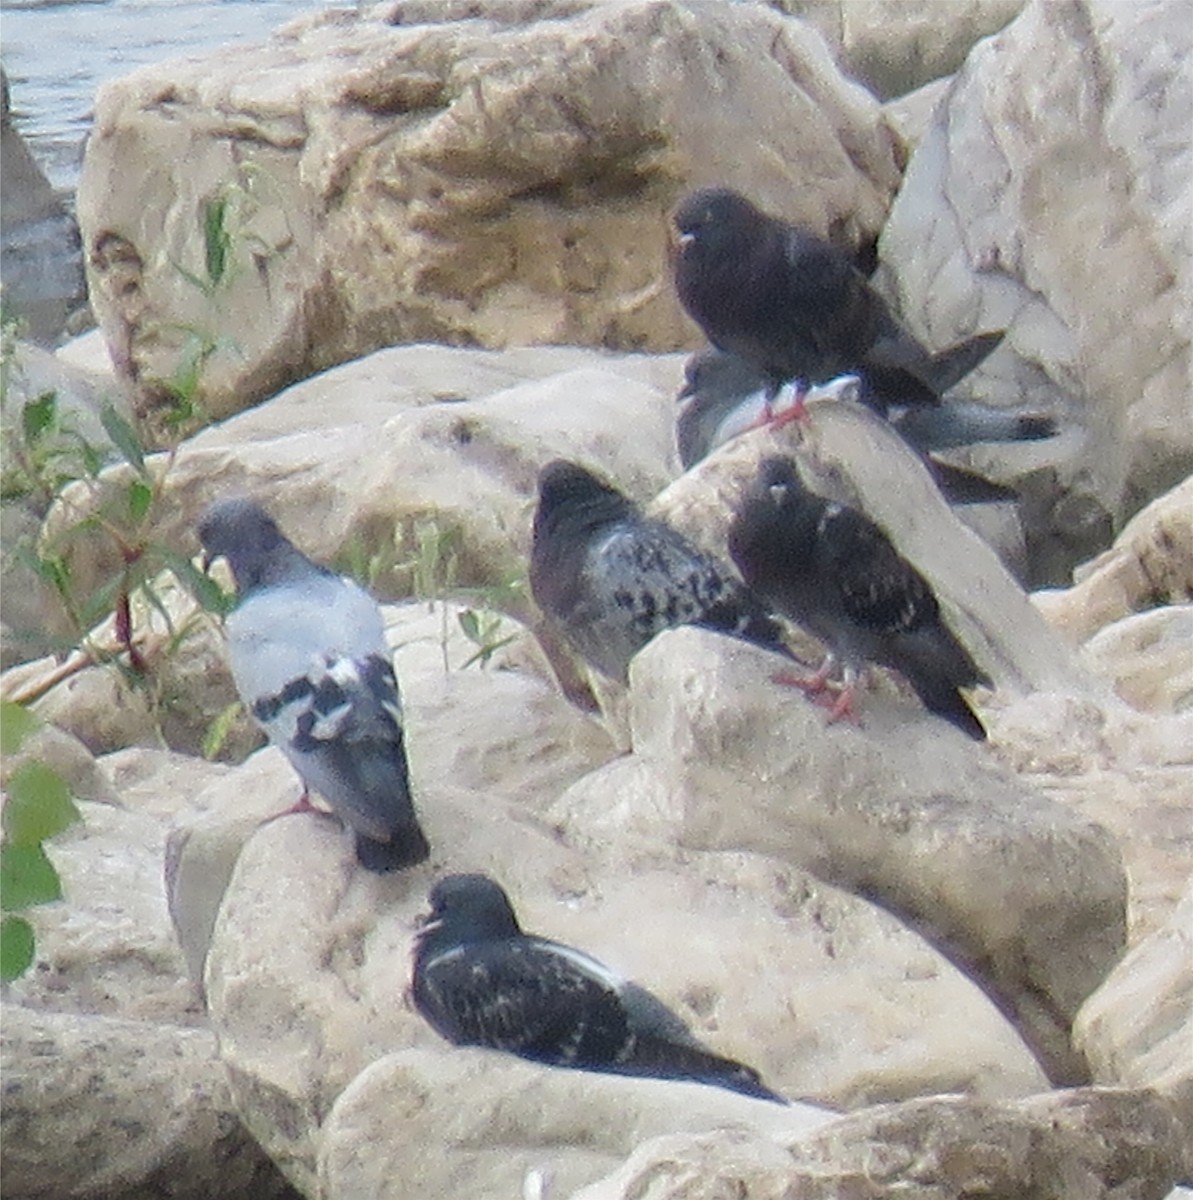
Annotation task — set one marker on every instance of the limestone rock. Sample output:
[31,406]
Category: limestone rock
[107,947]
[855,457]
[1136,1030]
[100,1107]
[66,755]
[1150,564]
[1033,189]
[523,1125]
[306,992]
[893,49]
[1030,898]
[471,174]
[425,442]
[42,267]
[1149,657]
[1072,1145]
[504,732]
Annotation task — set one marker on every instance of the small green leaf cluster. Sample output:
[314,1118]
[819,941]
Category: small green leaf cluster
[38,807]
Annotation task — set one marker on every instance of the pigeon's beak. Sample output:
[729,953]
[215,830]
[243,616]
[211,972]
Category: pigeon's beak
[426,922]
[778,493]
[685,239]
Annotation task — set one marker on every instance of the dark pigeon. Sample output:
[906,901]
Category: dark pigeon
[611,579]
[835,573]
[724,396]
[480,981]
[796,308]
[308,654]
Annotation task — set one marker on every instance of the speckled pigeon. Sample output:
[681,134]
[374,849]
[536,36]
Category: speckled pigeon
[480,981]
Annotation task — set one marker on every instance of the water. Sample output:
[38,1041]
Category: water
[56,55]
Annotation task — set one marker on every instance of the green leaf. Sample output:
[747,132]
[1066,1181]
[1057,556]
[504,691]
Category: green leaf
[27,877]
[207,593]
[39,417]
[487,651]
[218,730]
[39,805]
[124,437]
[53,569]
[16,724]
[16,948]
[216,241]
[470,624]
[140,497]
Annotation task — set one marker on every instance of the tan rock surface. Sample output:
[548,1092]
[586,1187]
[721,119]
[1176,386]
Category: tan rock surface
[1150,564]
[1029,897]
[100,1106]
[523,1126]
[1042,200]
[894,48]
[306,994]
[444,172]
[1073,1145]
[1136,1030]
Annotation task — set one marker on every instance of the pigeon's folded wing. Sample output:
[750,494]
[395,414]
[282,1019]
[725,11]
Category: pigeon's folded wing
[525,996]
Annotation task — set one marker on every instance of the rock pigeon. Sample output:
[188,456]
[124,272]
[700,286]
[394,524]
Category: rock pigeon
[612,579]
[308,655]
[834,572]
[480,981]
[724,396]
[796,308]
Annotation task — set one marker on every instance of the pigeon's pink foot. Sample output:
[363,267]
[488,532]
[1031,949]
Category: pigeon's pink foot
[814,685]
[301,805]
[843,708]
[797,412]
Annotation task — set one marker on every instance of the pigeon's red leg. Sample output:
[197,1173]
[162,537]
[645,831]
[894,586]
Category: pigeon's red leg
[843,707]
[301,805]
[797,411]
[815,684]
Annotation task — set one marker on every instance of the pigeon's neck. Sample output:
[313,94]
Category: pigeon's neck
[440,937]
[577,518]
[281,565]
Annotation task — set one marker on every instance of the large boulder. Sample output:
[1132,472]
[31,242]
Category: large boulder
[1074,1145]
[1054,202]
[1137,1028]
[896,48]
[524,1131]
[1028,897]
[471,174]
[100,1108]
[39,238]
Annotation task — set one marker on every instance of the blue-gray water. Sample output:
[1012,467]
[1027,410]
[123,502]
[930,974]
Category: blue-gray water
[56,55]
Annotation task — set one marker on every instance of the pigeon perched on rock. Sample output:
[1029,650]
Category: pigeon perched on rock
[796,308]
[724,396]
[480,981]
[308,655]
[834,572]
[612,579]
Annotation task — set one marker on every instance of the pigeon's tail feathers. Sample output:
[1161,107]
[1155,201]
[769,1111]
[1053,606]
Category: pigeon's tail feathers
[407,848]
[936,667]
[1033,427]
[960,424]
[959,486]
[942,698]
[951,365]
[664,1059]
